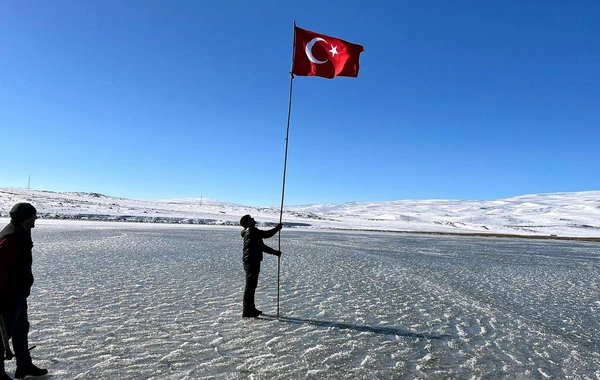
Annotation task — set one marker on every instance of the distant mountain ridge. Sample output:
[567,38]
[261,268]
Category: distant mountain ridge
[575,214]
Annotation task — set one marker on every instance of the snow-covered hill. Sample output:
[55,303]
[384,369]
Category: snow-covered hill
[574,214]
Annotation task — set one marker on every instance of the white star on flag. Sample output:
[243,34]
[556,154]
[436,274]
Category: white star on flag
[333,50]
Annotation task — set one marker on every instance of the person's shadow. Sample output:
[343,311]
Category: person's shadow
[359,328]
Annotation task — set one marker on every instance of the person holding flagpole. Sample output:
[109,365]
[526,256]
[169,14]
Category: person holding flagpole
[252,256]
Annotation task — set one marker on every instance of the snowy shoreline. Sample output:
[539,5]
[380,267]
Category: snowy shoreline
[572,216]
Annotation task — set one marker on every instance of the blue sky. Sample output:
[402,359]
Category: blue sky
[472,100]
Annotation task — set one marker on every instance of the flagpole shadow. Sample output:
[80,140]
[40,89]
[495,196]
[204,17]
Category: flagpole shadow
[359,328]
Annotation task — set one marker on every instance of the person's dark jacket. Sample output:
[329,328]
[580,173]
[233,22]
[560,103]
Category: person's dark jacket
[16,277]
[254,245]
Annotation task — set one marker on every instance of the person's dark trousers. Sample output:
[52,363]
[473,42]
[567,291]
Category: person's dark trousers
[14,312]
[252,272]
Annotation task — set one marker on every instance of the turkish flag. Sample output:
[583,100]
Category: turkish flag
[324,56]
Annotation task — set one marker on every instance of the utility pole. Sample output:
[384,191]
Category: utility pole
[29,183]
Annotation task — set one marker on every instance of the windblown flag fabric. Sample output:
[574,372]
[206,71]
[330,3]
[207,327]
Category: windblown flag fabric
[324,56]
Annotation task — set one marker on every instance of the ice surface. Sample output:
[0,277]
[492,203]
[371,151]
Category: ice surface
[144,301]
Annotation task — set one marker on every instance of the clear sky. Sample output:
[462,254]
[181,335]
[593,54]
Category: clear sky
[150,99]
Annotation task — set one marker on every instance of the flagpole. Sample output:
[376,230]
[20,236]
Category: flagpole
[287,139]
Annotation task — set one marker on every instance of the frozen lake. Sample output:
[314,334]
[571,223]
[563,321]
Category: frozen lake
[164,302]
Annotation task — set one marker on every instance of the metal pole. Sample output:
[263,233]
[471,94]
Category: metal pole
[287,135]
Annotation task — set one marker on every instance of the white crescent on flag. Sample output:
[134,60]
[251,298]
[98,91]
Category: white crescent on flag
[308,50]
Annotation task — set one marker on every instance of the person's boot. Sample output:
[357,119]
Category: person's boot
[29,370]
[251,314]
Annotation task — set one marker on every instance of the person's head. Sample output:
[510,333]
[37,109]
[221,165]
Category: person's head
[23,214]
[247,221]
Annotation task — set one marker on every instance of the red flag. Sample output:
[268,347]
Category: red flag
[324,56]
